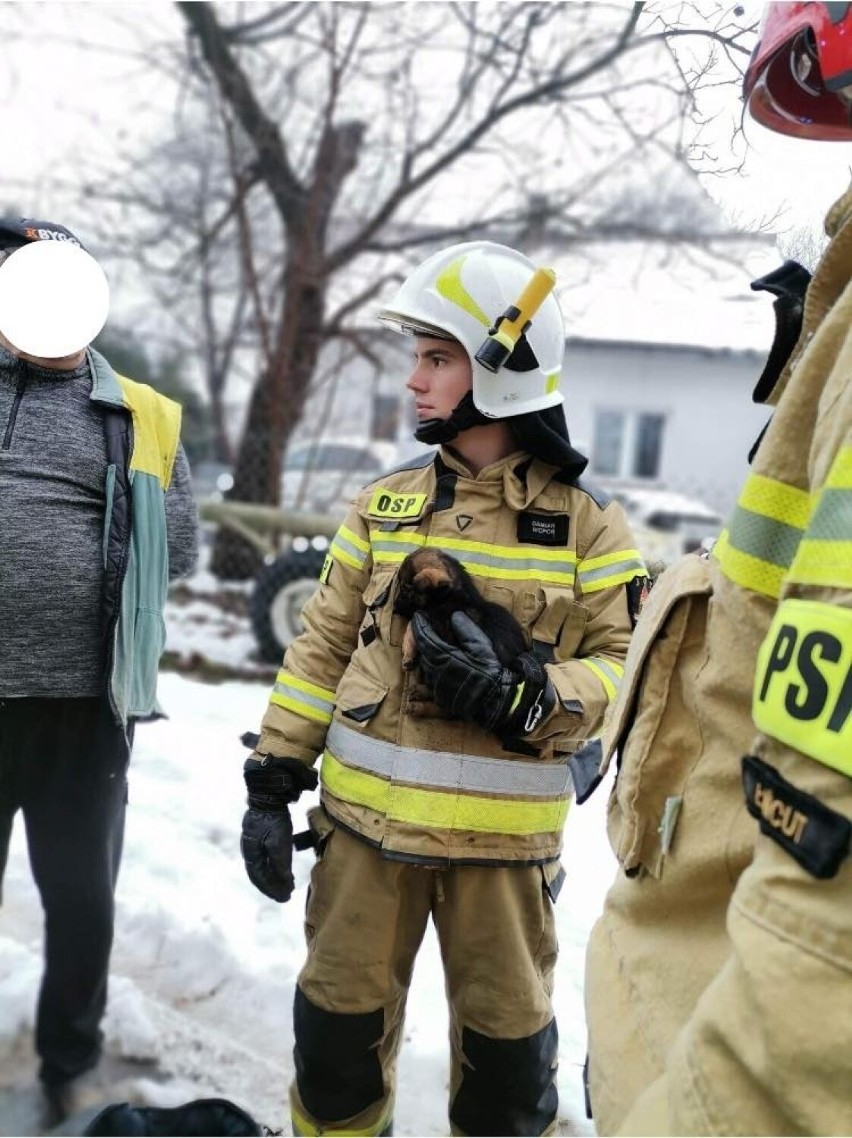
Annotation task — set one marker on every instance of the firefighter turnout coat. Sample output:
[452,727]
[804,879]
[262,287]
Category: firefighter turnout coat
[438,791]
[719,978]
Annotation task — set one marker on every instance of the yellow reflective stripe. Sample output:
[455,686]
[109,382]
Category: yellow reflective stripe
[607,671]
[300,707]
[304,1128]
[304,698]
[746,570]
[760,542]
[453,544]
[496,562]
[305,686]
[609,569]
[803,684]
[840,475]
[824,556]
[823,563]
[349,548]
[437,810]
[776,500]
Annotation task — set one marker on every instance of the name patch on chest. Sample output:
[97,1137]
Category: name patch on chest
[387,504]
[815,835]
[543,529]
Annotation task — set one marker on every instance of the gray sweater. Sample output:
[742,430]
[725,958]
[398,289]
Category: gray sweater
[52,502]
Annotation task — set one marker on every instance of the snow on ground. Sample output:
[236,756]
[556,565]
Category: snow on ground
[204,966]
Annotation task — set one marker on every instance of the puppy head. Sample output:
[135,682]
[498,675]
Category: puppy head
[426,577]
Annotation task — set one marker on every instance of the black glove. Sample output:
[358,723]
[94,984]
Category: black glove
[267,838]
[468,681]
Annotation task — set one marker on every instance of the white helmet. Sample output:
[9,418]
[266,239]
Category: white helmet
[461,293]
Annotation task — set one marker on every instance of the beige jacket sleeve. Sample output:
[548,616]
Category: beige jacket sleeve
[302,700]
[586,683]
[766,1050]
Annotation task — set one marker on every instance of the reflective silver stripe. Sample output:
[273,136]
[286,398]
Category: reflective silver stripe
[400,547]
[473,558]
[763,537]
[341,544]
[614,569]
[300,696]
[444,769]
[610,669]
[832,520]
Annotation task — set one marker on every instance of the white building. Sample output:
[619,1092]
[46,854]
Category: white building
[664,415]
[670,416]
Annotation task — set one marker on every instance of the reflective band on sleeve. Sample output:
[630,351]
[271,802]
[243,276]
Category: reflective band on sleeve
[435,809]
[596,573]
[803,684]
[446,769]
[824,556]
[748,571]
[770,498]
[759,544]
[349,549]
[302,697]
[608,672]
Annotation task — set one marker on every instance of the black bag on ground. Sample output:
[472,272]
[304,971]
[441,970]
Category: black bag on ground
[201,1117]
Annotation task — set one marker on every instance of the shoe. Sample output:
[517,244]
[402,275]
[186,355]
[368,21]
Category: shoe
[111,1081]
[71,1096]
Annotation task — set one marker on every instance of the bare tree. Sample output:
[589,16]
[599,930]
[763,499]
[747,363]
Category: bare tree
[354,134]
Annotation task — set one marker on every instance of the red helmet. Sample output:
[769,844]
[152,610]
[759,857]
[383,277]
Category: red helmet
[803,60]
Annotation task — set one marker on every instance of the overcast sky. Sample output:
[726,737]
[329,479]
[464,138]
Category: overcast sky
[73,84]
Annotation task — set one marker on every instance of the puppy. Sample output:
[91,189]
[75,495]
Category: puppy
[436,584]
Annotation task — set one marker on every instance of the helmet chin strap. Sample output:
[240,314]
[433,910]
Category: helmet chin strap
[464,416]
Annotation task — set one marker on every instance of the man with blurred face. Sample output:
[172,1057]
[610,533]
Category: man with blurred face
[719,977]
[96,515]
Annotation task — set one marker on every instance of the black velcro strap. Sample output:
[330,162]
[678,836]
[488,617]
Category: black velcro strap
[584,765]
[815,835]
[305,840]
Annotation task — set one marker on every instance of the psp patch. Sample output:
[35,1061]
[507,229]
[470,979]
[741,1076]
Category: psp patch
[542,529]
[803,681]
[815,835]
[388,504]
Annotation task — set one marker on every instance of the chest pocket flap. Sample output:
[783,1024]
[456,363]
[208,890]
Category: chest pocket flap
[561,624]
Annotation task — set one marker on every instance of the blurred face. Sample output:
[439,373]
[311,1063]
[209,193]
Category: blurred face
[442,376]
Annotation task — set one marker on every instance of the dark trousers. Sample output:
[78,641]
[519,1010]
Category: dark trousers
[63,764]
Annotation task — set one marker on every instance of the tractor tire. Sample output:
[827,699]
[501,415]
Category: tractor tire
[280,592]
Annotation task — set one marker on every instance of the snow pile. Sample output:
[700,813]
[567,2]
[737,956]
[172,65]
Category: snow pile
[204,966]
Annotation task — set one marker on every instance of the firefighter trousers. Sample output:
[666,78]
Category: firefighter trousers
[365,920]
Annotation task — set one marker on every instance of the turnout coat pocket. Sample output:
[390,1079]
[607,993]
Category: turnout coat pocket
[651,725]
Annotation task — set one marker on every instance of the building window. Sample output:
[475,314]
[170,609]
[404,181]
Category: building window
[627,444]
[608,444]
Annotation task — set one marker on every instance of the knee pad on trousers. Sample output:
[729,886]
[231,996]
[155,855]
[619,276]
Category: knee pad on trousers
[507,1085]
[338,1072]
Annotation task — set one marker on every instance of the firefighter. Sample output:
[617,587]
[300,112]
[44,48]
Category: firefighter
[719,977]
[457,817]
